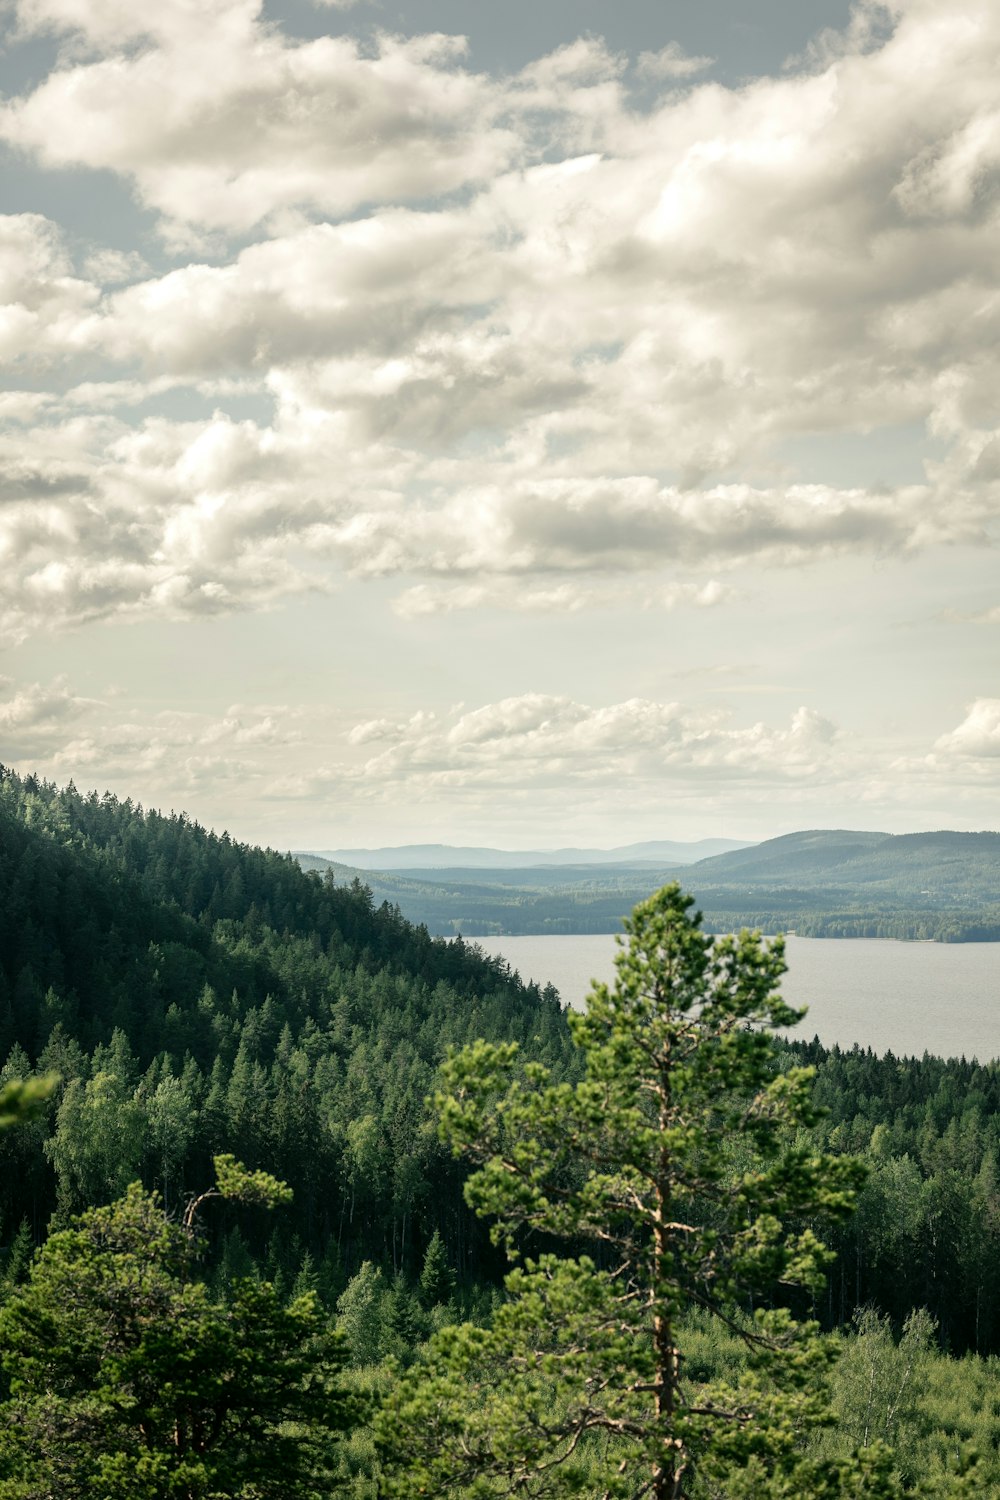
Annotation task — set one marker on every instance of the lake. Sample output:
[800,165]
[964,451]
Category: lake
[907,998]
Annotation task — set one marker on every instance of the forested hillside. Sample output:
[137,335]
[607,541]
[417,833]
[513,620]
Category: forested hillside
[198,997]
[819,883]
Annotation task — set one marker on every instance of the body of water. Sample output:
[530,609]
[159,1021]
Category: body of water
[908,998]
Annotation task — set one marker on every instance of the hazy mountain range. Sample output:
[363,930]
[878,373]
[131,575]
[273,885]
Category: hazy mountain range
[819,882]
[462,857]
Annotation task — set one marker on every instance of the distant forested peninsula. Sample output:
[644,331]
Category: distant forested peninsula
[939,886]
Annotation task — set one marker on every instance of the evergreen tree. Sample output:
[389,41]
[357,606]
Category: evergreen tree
[437,1280]
[402,1319]
[674,1164]
[18,1257]
[128,1382]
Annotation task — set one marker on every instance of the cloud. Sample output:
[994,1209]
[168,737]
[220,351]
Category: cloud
[100,519]
[635,525]
[45,311]
[544,740]
[171,753]
[221,122]
[671,61]
[519,342]
[113,24]
[977,738]
[990,616]
[36,711]
[553,595]
[540,756]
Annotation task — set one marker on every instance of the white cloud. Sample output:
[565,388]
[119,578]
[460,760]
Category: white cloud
[37,710]
[222,122]
[102,519]
[978,735]
[160,755]
[554,595]
[113,23]
[574,375]
[634,525]
[45,310]
[671,61]
[536,757]
[543,740]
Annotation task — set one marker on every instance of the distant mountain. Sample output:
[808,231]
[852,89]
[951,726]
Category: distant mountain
[820,883]
[931,863]
[463,857]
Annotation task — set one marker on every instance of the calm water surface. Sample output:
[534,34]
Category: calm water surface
[907,998]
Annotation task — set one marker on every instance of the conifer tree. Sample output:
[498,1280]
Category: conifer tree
[18,1258]
[674,1166]
[128,1382]
[437,1280]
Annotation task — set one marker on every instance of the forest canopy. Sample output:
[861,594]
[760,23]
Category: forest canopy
[190,998]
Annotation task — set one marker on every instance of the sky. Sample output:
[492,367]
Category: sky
[531,424]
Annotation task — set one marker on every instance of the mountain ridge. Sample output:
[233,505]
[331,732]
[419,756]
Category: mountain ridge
[433,856]
[940,884]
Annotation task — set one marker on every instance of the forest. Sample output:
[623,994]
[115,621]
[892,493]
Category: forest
[278,1108]
[819,883]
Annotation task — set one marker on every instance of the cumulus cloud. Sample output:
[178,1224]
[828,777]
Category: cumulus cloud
[620,528]
[550,740]
[50,729]
[671,61]
[100,519]
[522,342]
[44,309]
[978,735]
[35,712]
[222,122]
[535,754]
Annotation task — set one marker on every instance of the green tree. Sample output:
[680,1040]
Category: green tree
[437,1279]
[675,1164]
[878,1383]
[98,1142]
[22,1099]
[402,1318]
[171,1122]
[360,1308]
[128,1382]
[18,1258]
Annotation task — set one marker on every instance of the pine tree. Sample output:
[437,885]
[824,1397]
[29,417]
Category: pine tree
[437,1280]
[402,1318]
[129,1382]
[675,1166]
[18,1257]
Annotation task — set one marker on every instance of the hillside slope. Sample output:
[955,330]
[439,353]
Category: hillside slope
[945,860]
[197,995]
[820,883]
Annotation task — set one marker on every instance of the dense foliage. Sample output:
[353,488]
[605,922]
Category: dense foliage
[636,1163]
[130,1382]
[198,997]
